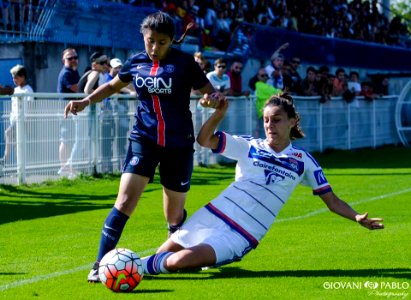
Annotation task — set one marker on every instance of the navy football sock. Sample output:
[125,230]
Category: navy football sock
[112,229]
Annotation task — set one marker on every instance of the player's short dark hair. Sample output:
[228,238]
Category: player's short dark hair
[160,22]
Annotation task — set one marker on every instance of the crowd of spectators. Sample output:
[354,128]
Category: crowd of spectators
[216,20]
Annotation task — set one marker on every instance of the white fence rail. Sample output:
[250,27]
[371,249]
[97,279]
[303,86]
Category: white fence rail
[96,139]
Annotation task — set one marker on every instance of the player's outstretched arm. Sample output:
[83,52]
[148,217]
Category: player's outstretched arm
[206,137]
[102,92]
[341,208]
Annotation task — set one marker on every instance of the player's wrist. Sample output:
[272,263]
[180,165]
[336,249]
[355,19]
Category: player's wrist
[88,101]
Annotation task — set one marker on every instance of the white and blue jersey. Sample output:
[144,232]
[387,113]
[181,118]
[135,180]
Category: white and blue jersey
[163,88]
[263,182]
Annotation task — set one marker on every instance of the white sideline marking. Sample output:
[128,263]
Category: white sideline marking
[56,274]
[145,252]
[321,210]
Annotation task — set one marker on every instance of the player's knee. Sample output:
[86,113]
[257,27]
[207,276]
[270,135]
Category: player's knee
[175,262]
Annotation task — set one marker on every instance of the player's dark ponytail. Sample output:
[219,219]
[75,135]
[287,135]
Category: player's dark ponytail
[286,101]
[163,23]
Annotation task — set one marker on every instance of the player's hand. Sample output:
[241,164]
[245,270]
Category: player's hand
[372,223]
[212,100]
[75,107]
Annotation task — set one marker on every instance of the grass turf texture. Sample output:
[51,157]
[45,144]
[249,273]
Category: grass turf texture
[50,234]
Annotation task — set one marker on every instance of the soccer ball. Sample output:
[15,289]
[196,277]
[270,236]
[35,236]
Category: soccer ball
[120,270]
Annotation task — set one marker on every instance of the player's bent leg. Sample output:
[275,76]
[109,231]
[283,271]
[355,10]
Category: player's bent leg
[194,257]
[167,262]
[174,211]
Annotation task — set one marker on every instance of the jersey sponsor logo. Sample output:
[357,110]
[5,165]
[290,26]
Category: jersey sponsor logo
[134,161]
[272,177]
[273,168]
[320,177]
[154,85]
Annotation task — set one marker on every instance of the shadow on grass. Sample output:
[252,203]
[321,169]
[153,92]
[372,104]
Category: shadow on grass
[146,291]
[235,272]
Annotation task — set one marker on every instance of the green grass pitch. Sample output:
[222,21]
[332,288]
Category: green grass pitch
[50,234]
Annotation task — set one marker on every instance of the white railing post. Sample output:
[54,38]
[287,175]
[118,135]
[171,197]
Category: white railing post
[21,141]
[320,126]
[348,126]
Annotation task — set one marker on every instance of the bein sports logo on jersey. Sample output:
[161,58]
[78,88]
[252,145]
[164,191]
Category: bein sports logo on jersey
[272,177]
[154,85]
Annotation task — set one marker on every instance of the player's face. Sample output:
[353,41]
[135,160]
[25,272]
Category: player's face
[277,127]
[156,44]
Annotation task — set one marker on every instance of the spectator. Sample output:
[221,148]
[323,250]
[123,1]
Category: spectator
[67,84]
[218,78]
[236,80]
[87,84]
[309,85]
[202,62]
[381,85]
[19,74]
[107,124]
[353,89]
[367,90]
[325,84]
[277,61]
[353,83]
[263,91]
[221,32]
[293,79]
[339,83]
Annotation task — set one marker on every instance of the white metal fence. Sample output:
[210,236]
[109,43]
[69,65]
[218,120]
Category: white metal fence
[45,146]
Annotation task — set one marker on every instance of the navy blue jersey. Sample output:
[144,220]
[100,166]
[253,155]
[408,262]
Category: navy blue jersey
[67,78]
[163,89]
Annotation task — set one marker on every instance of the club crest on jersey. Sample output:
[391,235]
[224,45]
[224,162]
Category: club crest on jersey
[272,177]
[169,68]
[320,177]
[134,161]
[293,165]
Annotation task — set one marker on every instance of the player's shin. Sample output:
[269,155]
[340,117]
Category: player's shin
[111,233]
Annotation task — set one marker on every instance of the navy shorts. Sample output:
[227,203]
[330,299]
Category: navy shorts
[175,164]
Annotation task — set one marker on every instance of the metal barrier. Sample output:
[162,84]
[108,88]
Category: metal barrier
[46,146]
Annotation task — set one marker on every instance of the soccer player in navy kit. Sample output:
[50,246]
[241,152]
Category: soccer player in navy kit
[267,171]
[163,131]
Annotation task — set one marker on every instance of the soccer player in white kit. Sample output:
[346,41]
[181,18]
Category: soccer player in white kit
[267,171]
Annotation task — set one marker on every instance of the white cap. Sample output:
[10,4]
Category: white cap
[115,62]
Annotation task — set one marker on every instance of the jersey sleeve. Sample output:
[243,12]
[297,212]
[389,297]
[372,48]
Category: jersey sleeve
[199,78]
[314,177]
[125,74]
[233,147]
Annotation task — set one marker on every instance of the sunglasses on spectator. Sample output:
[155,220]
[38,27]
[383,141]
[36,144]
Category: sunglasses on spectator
[102,63]
[221,66]
[296,62]
[72,58]
[263,75]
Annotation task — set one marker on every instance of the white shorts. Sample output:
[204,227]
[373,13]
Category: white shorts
[205,228]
